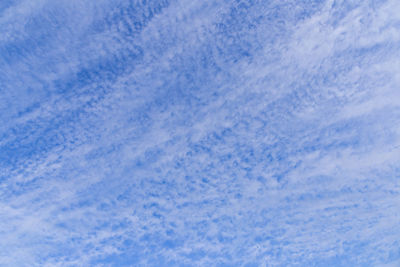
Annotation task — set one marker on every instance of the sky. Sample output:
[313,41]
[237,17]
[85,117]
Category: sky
[199,133]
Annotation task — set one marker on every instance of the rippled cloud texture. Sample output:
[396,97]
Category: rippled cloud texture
[199,133]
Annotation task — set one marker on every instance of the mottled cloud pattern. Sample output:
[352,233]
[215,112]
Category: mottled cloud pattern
[199,133]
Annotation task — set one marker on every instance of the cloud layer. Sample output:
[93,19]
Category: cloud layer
[199,133]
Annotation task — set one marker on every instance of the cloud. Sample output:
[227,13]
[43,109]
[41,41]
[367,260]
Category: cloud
[172,133]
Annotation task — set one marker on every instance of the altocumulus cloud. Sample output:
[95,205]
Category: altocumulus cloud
[199,133]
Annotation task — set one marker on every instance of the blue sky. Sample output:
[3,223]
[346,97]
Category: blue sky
[199,133]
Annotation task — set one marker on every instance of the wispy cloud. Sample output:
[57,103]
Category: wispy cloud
[181,133]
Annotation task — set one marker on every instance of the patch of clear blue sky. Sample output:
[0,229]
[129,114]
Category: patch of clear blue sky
[199,133]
